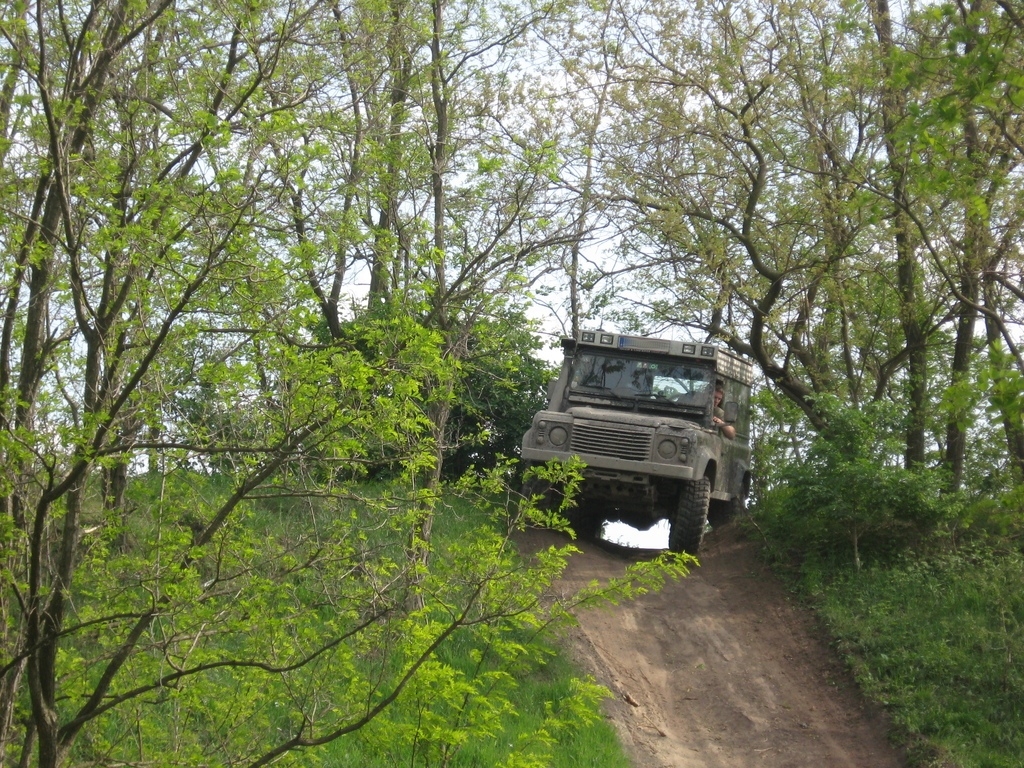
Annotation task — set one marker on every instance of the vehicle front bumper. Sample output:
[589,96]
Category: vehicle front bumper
[623,468]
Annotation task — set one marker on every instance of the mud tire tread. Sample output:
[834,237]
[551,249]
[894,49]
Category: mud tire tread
[686,531]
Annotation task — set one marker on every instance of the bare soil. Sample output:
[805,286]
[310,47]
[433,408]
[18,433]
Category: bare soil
[722,669]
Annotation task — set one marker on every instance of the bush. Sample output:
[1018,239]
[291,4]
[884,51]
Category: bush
[848,496]
[998,522]
[503,385]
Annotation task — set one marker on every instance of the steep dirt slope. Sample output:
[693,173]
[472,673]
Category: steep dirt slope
[722,669]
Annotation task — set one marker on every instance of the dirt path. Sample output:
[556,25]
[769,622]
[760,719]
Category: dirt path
[722,669]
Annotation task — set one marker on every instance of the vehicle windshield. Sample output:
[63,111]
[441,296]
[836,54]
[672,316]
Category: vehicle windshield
[641,379]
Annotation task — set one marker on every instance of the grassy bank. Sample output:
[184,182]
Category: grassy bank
[921,586]
[377,659]
[537,727]
[525,704]
[938,640]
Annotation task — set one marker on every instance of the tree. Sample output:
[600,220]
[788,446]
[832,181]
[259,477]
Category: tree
[184,401]
[505,385]
[829,192]
[464,206]
[969,126]
[747,141]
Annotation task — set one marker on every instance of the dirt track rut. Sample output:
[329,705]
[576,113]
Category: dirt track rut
[722,669]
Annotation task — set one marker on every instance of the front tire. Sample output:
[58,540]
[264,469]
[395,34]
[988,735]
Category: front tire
[550,495]
[686,531]
[587,522]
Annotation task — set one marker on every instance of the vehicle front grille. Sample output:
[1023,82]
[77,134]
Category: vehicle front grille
[616,442]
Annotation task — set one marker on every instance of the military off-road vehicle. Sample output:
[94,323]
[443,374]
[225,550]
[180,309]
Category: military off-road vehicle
[641,414]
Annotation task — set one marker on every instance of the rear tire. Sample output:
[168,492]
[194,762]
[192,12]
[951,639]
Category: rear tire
[737,507]
[686,531]
[722,512]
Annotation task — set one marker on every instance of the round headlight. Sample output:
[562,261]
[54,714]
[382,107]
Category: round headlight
[558,435]
[667,449]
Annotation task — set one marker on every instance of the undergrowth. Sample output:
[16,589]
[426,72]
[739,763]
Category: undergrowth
[938,641]
[921,590]
[492,691]
[530,708]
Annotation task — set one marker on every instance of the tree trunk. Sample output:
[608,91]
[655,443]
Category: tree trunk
[963,352]
[1012,422]
[10,684]
[386,237]
[907,270]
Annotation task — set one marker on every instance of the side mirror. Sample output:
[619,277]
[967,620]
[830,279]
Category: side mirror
[732,411]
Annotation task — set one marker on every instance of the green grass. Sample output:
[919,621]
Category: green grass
[552,714]
[941,644]
[933,623]
[593,743]
[507,698]
[589,744]
[493,695]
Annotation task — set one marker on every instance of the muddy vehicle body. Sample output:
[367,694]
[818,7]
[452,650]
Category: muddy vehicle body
[641,414]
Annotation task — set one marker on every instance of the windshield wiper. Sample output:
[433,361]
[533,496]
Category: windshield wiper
[659,397]
[619,393]
[628,393]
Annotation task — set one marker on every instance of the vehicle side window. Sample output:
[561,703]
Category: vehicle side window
[739,393]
